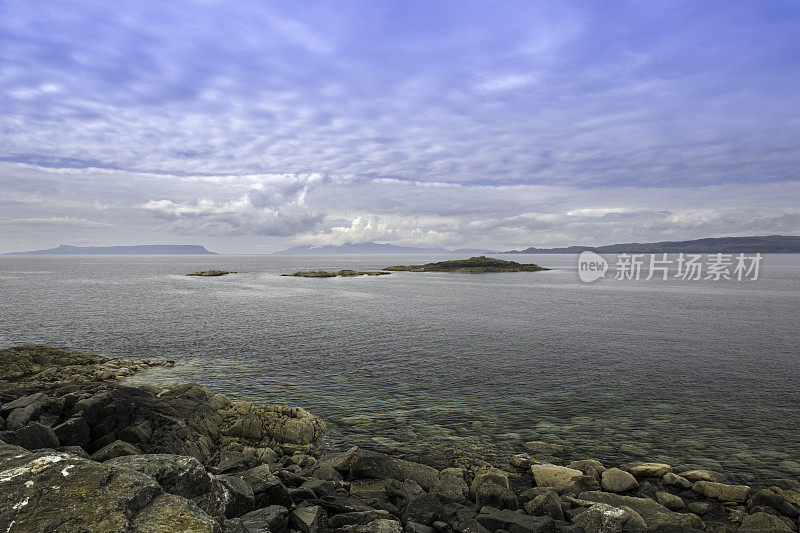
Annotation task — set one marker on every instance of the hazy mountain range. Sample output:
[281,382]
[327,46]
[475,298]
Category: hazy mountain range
[768,244]
[375,248]
[146,249]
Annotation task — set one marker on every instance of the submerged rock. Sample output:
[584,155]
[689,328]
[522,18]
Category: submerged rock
[334,274]
[211,273]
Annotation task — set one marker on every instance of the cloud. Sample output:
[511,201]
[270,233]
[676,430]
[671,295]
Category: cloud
[373,228]
[271,209]
[59,221]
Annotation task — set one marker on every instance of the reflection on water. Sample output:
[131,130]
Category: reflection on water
[683,372]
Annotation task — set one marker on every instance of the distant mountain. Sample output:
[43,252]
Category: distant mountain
[360,248]
[768,244]
[147,249]
[480,251]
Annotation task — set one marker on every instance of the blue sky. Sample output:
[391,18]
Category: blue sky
[253,126]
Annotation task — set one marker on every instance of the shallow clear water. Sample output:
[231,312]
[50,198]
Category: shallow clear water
[687,372]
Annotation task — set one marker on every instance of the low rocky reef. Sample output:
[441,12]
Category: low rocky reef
[326,274]
[473,265]
[82,451]
[211,273]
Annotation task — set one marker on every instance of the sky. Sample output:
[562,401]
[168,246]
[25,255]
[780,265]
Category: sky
[250,127]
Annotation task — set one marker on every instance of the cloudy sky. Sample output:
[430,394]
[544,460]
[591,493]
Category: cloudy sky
[254,126]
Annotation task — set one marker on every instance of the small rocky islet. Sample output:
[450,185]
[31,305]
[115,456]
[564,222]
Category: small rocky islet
[334,274]
[211,273]
[473,265]
[82,451]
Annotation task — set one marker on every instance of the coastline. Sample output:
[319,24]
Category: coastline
[150,456]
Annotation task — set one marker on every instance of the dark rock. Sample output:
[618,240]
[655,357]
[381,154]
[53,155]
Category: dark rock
[36,399]
[177,474]
[302,493]
[494,519]
[2,424]
[232,462]
[138,433]
[765,522]
[670,501]
[360,518]
[425,509]
[374,465]
[267,488]
[74,432]
[74,450]
[547,504]
[103,441]
[21,416]
[117,448]
[343,504]
[308,519]
[704,475]
[321,488]
[495,496]
[272,519]
[397,492]
[91,408]
[786,502]
[239,497]
[677,481]
[9,437]
[35,436]
[327,472]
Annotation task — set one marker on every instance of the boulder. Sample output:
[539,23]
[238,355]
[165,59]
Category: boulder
[168,513]
[655,514]
[677,481]
[381,525]
[602,518]
[55,491]
[589,467]
[764,522]
[616,480]
[35,436]
[670,501]
[495,496]
[786,502]
[493,520]
[36,399]
[520,460]
[177,474]
[74,432]
[452,485]
[272,519]
[650,469]
[547,504]
[268,490]
[366,464]
[559,478]
[21,416]
[721,491]
[308,519]
[704,475]
[425,509]
[360,518]
[137,434]
[699,508]
[231,462]
[327,472]
[117,448]
[239,498]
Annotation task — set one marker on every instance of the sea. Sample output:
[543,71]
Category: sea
[439,366]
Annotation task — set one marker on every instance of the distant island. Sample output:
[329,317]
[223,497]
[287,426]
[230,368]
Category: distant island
[473,265]
[768,244]
[146,249]
[375,248]
[211,273]
[326,274]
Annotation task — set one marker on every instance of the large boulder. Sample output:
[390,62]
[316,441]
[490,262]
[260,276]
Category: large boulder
[602,518]
[74,432]
[786,502]
[721,491]
[177,474]
[655,514]
[559,478]
[365,464]
[650,469]
[765,522]
[547,504]
[49,491]
[35,436]
[491,487]
[616,480]
[452,485]
[271,519]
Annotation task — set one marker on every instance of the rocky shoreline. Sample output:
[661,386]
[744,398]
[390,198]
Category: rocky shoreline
[82,451]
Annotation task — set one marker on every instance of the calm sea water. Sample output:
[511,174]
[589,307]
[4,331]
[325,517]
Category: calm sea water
[429,364]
